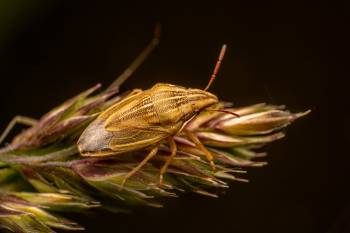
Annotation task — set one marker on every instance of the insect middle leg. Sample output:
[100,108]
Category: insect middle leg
[151,154]
[173,150]
[17,120]
[200,146]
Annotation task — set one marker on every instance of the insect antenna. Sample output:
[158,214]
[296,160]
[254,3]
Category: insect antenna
[217,66]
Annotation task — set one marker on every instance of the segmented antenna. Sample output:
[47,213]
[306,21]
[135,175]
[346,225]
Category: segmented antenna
[217,66]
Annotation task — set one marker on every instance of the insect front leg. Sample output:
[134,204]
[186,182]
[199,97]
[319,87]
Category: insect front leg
[17,120]
[151,154]
[200,146]
[173,150]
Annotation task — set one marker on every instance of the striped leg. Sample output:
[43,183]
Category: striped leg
[151,154]
[200,146]
[173,150]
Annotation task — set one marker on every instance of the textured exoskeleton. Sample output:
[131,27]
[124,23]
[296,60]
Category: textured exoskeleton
[142,119]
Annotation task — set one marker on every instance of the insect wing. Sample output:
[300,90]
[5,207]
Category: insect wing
[124,102]
[138,112]
[134,138]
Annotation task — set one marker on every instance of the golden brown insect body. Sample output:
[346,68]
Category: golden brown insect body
[142,119]
[145,118]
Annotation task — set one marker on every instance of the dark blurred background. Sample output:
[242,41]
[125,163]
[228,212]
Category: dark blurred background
[277,53]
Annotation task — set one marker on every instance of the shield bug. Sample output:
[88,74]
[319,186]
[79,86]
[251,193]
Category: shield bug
[144,118]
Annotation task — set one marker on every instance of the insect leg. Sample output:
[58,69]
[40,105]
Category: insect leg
[17,120]
[173,150]
[152,153]
[138,61]
[200,146]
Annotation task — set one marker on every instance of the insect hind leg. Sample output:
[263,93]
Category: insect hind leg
[173,150]
[200,146]
[17,120]
[150,155]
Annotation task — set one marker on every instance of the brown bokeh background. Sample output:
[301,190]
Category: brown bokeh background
[277,53]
